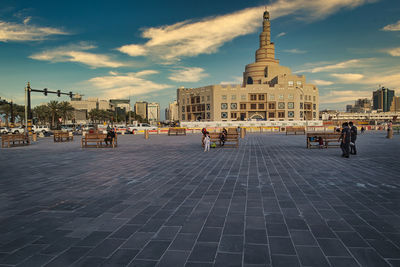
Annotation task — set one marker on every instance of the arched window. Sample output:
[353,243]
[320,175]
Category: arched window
[249,80]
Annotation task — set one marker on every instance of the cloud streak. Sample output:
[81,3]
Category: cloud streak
[22,32]
[191,38]
[336,66]
[392,27]
[295,51]
[343,96]
[78,53]
[394,52]
[193,74]
[118,85]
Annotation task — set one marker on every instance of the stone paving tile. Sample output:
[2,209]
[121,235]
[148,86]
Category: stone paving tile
[164,202]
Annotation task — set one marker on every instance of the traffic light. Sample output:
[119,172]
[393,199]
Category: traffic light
[45,91]
[58,93]
[70,94]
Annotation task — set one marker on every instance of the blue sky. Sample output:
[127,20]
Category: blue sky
[147,49]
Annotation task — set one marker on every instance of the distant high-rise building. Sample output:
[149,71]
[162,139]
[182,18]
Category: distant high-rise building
[141,109]
[173,111]
[383,99]
[153,112]
[361,105]
[395,104]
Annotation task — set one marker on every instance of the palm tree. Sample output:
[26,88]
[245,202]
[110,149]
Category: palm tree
[94,115]
[42,113]
[53,106]
[66,110]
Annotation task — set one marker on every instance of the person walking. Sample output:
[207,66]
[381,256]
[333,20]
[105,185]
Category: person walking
[207,142]
[353,138]
[345,140]
[222,136]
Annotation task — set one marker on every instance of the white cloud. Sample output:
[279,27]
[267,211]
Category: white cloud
[336,66]
[395,52]
[343,96]
[193,74]
[281,34]
[123,85]
[322,82]
[348,77]
[235,80]
[77,53]
[392,27]
[295,51]
[17,32]
[192,38]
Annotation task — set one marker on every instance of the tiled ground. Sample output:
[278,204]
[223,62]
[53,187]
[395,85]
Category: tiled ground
[164,202]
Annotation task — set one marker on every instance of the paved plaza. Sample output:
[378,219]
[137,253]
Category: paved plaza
[164,202]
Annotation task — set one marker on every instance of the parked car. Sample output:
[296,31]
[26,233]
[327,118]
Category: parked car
[4,130]
[140,127]
[40,129]
[67,128]
[19,129]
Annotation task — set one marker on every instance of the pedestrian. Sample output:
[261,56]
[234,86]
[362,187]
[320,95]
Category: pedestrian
[345,140]
[321,142]
[204,132]
[353,138]
[222,136]
[389,130]
[362,129]
[207,142]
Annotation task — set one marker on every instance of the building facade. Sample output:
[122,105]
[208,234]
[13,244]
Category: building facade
[173,114]
[153,112]
[141,109]
[383,99]
[269,92]
[91,103]
[361,105]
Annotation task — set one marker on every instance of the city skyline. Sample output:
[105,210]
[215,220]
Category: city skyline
[347,48]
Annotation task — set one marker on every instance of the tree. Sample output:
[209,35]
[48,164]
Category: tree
[65,110]
[42,113]
[53,107]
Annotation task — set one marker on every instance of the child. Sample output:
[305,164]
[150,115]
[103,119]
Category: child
[207,142]
[321,142]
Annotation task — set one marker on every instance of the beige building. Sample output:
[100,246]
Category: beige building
[91,103]
[141,109]
[172,111]
[269,92]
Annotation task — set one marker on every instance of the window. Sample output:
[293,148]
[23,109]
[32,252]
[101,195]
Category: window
[314,98]
[223,97]
[189,117]
[261,97]
[298,83]
[280,97]
[183,117]
[290,114]
[208,115]
[260,106]
[233,115]
[183,101]
[242,106]
[224,115]
[301,115]
[243,97]
[281,105]
[233,105]
[253,97]
[242,116]
[290,105]
[271,114]
[208,98]
[202,98]
[193,108]
[187,108]
[290,96]
[272,97]
[192,100]
[198,99]
[301,105]
[208,107]
[183,108]
[281,114]
[290,83]
[253,106]
[233,97]
[249,80]
[314,114]
[271,105]
[314,106]
[224,106]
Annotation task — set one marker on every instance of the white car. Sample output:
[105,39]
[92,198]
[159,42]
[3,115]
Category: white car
[16,130]
[141,127]
[4,130]
[40,129]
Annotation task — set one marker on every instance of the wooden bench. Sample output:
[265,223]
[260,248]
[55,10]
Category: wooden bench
[60,136]
[329,139]
[176,131]
[295,130]
[231,137]
[96,139]
[14,140]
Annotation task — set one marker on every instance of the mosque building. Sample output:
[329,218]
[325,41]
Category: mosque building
[269,92]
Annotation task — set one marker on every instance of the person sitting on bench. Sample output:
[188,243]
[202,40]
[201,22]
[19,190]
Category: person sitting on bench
[110,136]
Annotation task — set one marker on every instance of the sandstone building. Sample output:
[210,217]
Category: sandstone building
[269,92]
